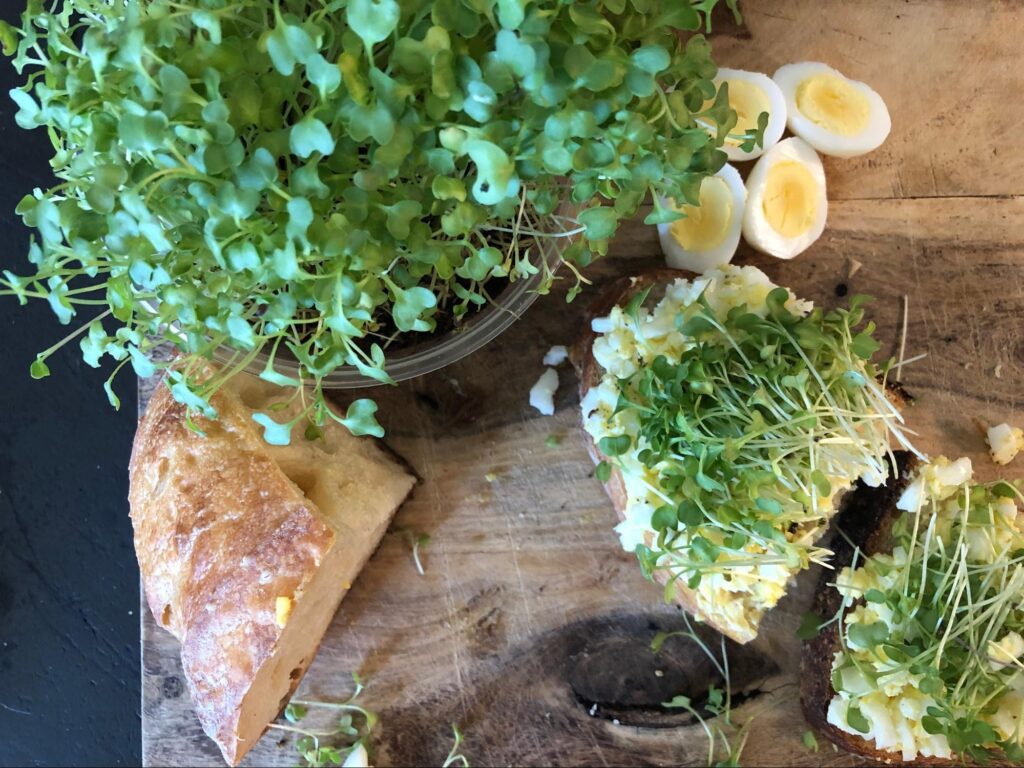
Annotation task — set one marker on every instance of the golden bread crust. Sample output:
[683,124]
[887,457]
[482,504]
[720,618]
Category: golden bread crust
[222,531]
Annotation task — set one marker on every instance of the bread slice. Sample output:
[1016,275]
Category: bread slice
[866,522]
[246,549]
[589,371]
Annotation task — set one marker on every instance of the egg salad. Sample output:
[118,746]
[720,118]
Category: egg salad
[737,415]
[931,654]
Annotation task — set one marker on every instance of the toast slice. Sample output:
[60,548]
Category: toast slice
[590,373]
[866,522]
[246,549]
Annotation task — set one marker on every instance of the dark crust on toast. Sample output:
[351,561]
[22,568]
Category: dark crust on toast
[866,520]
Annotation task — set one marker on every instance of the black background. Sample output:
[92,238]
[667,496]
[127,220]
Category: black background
[69,641]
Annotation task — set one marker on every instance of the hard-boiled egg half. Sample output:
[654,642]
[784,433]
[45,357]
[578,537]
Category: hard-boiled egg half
[750,94]
[834,114]
[710,232]
[786,200]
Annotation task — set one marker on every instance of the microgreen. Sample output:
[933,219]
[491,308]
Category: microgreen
[810,741]
[929,618]
[743,429]
[810,626]
[416,541]
[309,180]
[347,734]
[720,727]
[455,756]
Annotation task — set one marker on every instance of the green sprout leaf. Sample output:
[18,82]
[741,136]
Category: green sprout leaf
[360,419]
[856,720]
[614,446]
[373,20]
[273,432]
[39,369]
[868,635]
[600,222]
[809,741]
[310,135]
[810,626]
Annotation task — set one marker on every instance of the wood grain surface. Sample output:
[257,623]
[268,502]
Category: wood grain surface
[531,628]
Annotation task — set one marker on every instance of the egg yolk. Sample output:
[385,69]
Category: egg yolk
[707,224]
[749,102]
[834,104]
[789,202]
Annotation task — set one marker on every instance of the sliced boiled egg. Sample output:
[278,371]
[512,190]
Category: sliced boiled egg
[750,94]
[708,234]
[786,200]
[834,114]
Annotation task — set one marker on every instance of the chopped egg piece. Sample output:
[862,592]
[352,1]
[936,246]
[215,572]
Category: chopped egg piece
[786,200]
[750,94]
[542,395]
[709,233]
[1005,442]
[938,480]
[1005,652]
[834,114]
[282,609]
[557,355]
[357,758]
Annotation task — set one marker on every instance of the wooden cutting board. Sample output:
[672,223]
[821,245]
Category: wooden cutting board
[529,614]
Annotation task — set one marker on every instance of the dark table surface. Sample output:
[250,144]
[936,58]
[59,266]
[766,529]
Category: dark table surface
[69,640]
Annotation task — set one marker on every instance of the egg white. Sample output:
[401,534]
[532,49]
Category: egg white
[678,257]
[789,78]
[756,229]
[776,112]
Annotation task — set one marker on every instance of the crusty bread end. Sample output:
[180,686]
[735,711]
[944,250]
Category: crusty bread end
[246,549]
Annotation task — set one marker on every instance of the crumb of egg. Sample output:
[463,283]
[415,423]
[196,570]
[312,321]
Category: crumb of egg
[282,610]
[542,394]
[557,355]
[1004,442]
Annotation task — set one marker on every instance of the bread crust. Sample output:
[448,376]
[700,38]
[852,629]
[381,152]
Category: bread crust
[589,374]
[221,532]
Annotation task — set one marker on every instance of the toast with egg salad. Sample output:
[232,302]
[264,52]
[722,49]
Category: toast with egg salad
[727,418]
[921,656]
